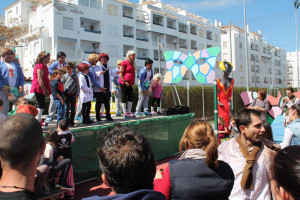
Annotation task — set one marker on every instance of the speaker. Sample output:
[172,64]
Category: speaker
[178,110]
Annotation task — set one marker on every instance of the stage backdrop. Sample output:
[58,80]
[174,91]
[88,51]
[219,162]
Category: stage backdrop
[164,134]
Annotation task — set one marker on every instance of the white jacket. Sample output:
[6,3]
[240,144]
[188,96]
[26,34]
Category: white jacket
[100,78]
[86,93]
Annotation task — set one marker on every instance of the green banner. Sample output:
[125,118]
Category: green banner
[163,133]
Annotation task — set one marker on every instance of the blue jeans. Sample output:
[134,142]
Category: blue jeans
[70,103]
[60,110]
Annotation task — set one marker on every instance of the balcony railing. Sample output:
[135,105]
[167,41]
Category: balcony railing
[143,39]
[171,27]
[127,16]
[141,57]
[182,30]
[128,35]
[183,46]
[157,23]
[92,31]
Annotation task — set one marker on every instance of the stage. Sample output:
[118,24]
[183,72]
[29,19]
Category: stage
[163,132]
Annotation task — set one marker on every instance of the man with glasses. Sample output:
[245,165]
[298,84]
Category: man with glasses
[245,155]
[11,79]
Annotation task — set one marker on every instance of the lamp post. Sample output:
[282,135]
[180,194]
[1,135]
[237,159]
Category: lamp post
[296,5]
[246,48]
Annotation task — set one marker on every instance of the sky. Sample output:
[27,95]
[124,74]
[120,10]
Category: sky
[275,18]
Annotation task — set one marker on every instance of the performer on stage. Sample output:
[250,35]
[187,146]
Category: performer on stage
[224,92]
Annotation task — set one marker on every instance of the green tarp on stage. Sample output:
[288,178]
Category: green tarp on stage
[164,134]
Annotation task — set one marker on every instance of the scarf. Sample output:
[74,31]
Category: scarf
[193,154]
[247,178]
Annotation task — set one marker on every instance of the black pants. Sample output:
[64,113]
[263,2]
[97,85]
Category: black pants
[40,100]
[126,93]
[86,108]
[64,167]
[157,100]
[99,102]
[70,102]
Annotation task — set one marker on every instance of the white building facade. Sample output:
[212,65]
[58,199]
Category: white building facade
[266,63]
[80,27]
[292,79]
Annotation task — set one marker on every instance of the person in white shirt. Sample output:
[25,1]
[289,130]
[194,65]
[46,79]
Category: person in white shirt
[245,155]
[292,130]
[287,103]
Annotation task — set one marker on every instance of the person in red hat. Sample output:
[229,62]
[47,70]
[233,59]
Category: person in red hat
[104,74]
[86,91]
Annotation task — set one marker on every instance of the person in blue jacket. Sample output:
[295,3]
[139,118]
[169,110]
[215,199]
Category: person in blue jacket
[128,165]
[60,63]
[145,77]
[11,79]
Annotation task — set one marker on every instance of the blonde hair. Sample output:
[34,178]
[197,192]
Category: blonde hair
[129,53]
[20,101]
[200,134]
[119,62]
[93,58]
[156,77]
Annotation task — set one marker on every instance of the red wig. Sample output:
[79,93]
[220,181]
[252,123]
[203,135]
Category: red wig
[83,66]
[103,55]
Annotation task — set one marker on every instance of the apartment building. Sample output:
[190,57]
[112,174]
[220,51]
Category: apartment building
[266,63]
[292,79]
[80,27]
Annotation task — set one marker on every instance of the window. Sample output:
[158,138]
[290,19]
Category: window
[265,80]
[241,45]
[241,68]
[209,35]
[113,30]
[208,46]
[201,32]
[112,10]
[216,38]
[68,23]
[201,46]
[113,51]
[224,45]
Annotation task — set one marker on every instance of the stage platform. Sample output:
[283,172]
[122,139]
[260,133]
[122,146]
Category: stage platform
[163,132]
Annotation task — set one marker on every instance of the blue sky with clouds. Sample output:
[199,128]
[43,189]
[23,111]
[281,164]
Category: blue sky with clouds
[275,18]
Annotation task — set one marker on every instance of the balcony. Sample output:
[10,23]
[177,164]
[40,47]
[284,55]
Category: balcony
[128,35]
[141,35]
[171,23]
[128,12]
[92,31]
[128,31]
[158,20]
[142,54]
[182,28]
[127,48]
[193,30]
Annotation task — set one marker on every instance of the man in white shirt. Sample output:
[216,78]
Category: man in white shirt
[287,103]
[245,155]
[292,130]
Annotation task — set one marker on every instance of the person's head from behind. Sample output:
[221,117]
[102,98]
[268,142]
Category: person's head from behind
[221,120]
[126,160]
[21,142]
[43,58]
[69,68]
[250,125]
[290,92]
[1,104]
[268,131]
[261,94]
[294,112]
[21,101]
[119,62]
[157,78]
[286,173]
[200,134]
[51,137]
[63,125]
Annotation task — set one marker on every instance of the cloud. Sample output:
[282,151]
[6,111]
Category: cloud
[194,5]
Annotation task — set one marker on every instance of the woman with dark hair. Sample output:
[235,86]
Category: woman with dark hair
[41,83]
[268,131]
[197,174]
[261,104]
[286,173]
